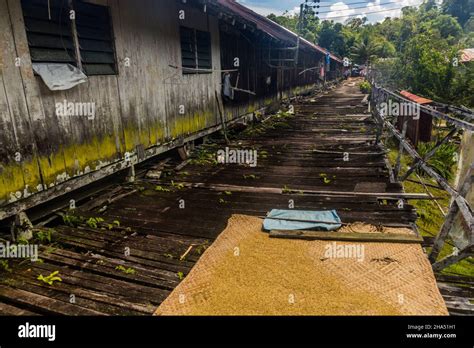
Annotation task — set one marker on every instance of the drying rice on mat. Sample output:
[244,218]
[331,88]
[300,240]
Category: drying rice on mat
[245,272]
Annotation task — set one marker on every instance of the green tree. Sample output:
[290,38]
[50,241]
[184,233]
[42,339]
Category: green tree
[365,50]
[460,9]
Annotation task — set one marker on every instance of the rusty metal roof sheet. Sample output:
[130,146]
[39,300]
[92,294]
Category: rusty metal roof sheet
[415,98]
[467,55]
[271,28]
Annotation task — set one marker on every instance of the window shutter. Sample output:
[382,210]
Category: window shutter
[96,43]
[49,31]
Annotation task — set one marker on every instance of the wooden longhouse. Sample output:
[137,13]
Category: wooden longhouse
[152,70]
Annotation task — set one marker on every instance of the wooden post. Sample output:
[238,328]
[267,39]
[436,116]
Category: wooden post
[398,165]
[454,209]
[453,258]
[221,115]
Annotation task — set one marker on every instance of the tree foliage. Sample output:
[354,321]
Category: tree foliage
[417,50]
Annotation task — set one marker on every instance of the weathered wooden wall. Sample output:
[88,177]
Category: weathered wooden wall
[138,106]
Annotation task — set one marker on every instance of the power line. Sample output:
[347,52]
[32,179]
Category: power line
[354,3]
[362,13]
[354,8]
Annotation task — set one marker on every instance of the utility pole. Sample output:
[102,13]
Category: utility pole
[299,29]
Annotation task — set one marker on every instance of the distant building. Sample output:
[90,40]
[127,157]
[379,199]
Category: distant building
[467,55]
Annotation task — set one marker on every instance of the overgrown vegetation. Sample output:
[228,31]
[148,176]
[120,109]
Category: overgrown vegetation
[443,159]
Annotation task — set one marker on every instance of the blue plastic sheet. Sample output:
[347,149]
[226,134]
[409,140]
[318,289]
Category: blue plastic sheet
[331,221]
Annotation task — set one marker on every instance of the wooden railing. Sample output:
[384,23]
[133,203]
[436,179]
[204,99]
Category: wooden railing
[460,119]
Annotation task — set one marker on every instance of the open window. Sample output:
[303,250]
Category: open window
[49,31]
[83,40]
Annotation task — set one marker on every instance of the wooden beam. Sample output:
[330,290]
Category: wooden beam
[350,237]
[448,222]
[237,188]
[430,154]
[453,258]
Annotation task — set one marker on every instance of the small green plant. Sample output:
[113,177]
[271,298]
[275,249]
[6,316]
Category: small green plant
[5,266]
[72,220]
[326,181]
[44,236]
[94,222]
[442,161]
[22,241]
[168,256]
[162,189]
[53,277]
[228,193]
[202,247]
[125,270]
[180,275]
[365,87]
[250,176]
[177,186]
[286,189]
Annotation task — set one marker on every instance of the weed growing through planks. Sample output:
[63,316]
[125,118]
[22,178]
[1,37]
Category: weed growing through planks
[125,270]
[205,156]
[286,189]
[44,236]
[72,220]
[176,185]
[53,277]
[94,222]
[250,177]
[5,266]
[162,189]
[202,247]
[180,275]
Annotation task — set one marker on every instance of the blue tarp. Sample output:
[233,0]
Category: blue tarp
[286,225]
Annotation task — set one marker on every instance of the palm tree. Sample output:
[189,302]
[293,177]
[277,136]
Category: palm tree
[365,50]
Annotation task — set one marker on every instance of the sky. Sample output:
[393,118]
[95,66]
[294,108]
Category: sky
[341,9]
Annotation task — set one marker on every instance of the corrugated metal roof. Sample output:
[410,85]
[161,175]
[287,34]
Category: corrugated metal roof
[415,98]
[271,28]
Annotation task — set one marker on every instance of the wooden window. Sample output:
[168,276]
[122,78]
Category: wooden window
[196,53]
[96,44]
[52,37]
[49,31]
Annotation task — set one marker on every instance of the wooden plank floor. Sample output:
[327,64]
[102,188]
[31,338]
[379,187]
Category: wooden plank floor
[154,231]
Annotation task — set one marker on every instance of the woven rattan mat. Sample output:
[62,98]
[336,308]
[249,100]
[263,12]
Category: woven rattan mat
[244,272]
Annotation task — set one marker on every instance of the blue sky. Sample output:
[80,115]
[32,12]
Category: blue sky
[341,9]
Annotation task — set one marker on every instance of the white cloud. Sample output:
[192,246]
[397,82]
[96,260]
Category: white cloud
[264,11]
[342,9]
